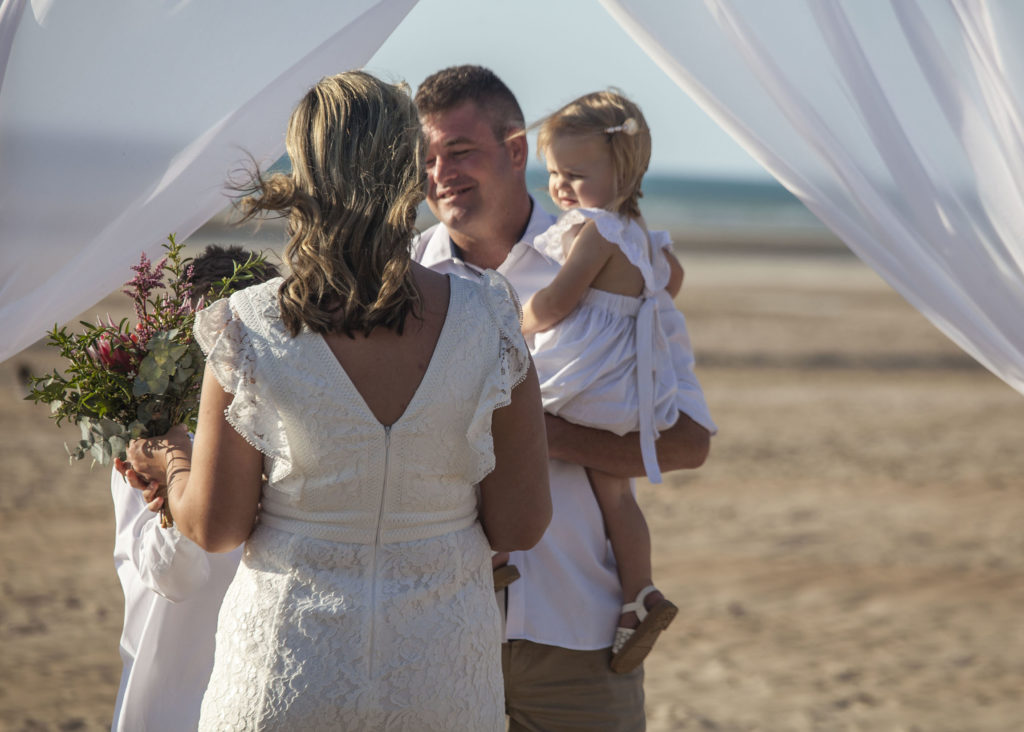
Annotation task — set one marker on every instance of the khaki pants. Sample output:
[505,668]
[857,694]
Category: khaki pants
[549,689]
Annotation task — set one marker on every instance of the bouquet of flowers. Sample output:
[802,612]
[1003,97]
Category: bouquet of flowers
[124,381]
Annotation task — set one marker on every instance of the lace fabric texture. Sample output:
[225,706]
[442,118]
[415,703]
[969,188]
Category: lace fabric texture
[364,598]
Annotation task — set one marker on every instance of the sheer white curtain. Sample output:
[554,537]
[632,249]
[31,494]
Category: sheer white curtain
[899,124]
[120,120]
[10,16]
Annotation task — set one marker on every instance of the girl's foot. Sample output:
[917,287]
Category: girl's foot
[651,615]
[630,619]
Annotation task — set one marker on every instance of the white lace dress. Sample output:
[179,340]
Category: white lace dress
[609,363]
[364,599]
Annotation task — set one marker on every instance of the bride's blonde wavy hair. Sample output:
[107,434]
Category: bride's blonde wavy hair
[351,198]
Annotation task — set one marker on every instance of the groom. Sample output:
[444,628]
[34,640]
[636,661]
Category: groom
[561,614]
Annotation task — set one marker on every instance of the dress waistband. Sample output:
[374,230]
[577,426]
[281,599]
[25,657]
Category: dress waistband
[413,528]
[622,304]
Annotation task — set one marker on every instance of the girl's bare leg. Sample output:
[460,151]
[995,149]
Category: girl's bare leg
[630,538]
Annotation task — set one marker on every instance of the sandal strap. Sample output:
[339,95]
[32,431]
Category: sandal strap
[637,606]
[621,636]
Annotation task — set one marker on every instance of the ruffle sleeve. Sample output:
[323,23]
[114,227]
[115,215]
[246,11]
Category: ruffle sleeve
[556,240]
[624,232]
[232,356]
[513,364]
[660,242]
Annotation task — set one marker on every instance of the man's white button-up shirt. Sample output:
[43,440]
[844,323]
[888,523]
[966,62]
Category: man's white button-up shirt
[569,594]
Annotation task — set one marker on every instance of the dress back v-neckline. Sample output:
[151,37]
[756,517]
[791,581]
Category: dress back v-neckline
[358,397]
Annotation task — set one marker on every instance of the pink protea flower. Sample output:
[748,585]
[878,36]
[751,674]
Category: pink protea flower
[117,351]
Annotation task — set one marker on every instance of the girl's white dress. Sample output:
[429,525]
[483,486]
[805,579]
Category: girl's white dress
[364,600]
[612,362]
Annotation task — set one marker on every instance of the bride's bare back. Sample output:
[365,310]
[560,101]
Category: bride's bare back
[386,368]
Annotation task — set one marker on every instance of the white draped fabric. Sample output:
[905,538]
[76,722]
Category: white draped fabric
[899,124]
[120,121]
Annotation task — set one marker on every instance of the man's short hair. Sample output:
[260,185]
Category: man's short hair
[448,88]
[217,262]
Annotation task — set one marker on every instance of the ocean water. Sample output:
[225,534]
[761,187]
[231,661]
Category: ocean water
[713,213]
[718,210]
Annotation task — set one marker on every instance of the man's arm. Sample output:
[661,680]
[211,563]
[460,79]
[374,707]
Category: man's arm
[684,445]
[167,562]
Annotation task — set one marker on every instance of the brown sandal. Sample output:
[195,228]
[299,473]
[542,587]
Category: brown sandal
[632,645]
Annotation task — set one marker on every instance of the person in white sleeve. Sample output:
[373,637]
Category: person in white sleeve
[172,588]
[562,613]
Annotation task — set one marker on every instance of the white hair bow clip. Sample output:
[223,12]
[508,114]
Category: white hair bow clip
[630,127]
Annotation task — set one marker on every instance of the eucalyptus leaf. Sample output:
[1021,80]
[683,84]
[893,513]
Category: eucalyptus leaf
[182,375]
[105,428]
[78,453]
[118,446]
[100,452]
[153,376]
[164,349]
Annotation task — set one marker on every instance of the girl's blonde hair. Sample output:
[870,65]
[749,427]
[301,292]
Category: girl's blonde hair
[595,114]
[351,199]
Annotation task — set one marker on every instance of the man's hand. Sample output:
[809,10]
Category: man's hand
[684,445]
[152,492]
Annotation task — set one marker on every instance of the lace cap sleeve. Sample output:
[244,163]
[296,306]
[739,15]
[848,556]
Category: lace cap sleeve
[232,355]
[513,363]
[222,337]
[507,314]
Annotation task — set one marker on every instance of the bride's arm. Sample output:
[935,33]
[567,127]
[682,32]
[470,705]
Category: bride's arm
[515,501]
[213,487]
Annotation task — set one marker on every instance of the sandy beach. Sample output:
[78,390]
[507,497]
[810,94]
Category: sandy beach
[851,557]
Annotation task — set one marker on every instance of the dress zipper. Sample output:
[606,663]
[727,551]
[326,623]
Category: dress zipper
[376,544]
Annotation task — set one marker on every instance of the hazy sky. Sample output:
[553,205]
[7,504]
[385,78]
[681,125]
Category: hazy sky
[551,51]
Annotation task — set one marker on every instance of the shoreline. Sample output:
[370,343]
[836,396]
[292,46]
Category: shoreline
[795,242]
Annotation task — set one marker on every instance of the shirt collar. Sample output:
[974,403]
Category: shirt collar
[436,245]
[540,221]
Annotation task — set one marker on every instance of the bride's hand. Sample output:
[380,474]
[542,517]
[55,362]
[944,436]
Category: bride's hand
[148,458]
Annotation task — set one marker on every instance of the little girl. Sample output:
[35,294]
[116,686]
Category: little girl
[599,347]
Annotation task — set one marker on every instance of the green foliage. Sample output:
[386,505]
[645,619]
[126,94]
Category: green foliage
[122,381]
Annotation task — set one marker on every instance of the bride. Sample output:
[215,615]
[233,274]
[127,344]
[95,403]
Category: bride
[385,423]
